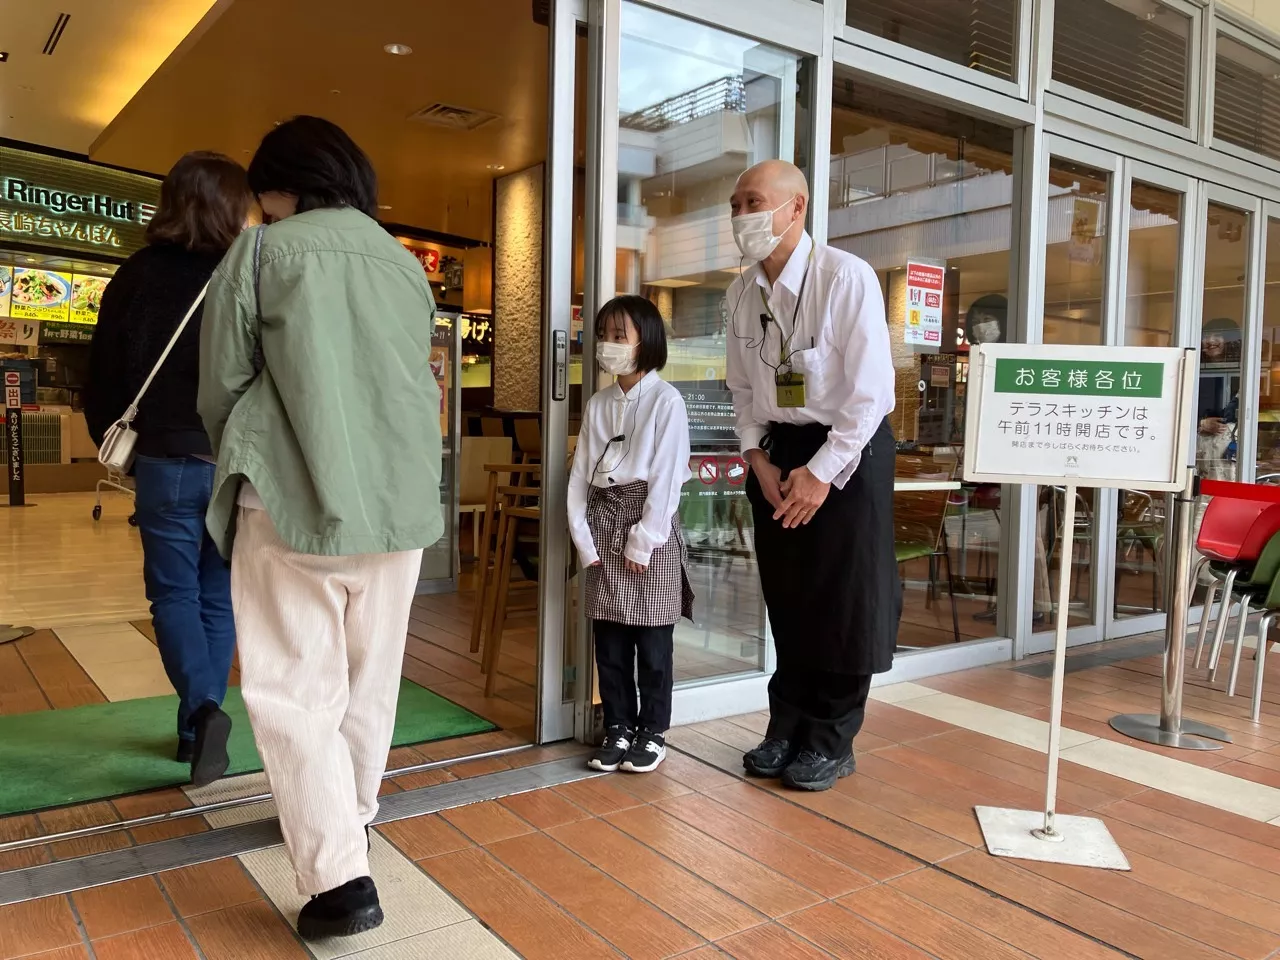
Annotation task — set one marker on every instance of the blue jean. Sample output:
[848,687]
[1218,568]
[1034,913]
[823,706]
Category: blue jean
[188,583]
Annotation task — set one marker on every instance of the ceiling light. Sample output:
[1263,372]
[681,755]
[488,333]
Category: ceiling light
[398,49]
[497,166]
[4,56]
[384,206]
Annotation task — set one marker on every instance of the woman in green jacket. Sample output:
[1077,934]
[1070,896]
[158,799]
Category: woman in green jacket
[324,415]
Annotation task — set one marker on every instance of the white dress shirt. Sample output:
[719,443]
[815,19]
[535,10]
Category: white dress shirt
[652,421]
[840,344]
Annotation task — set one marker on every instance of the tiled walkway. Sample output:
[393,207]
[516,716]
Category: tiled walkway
[694,861]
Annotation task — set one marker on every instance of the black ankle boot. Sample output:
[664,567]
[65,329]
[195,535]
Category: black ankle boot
[350,909]
[209,759]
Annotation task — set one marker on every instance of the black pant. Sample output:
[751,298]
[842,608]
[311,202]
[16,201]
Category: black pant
[619,648]
[817,709]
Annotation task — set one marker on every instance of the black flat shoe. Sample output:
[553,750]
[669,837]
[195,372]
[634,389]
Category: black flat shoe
[186,751]
[769,759]
[209,759]
[350,909]
[813,771]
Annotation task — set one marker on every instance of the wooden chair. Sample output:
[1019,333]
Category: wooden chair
[517,507]
[920,529]
[492,427]
[474,487]
[528,432]
[500,474]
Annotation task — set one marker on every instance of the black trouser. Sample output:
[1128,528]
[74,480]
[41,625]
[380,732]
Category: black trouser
[624,654]
[817,709]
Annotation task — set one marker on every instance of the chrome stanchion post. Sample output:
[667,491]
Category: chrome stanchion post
[1169,729]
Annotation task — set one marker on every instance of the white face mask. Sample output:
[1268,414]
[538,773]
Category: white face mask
[617,359]
[753,232]
[986,331]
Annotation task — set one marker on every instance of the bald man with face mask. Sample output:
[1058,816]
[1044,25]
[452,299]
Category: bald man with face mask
[812,377]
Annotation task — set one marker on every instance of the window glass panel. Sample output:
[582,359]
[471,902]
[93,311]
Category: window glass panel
[1150,320]
[1269,395]
[1226,268]
[1132,52]
[1074,287]
[978,34]
[1246,98]
[913,181]
[697,106]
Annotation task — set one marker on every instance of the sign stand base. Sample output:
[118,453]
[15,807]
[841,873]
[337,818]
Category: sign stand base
[1194,735]
[9,634]
[1075,841]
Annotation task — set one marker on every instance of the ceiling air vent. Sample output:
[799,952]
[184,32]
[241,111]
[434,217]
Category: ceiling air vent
[452,118]
[55,35]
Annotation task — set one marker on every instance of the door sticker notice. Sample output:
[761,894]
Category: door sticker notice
[925,283]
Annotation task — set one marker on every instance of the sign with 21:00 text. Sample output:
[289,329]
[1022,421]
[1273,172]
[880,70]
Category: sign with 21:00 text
[1096,416]
[63,204]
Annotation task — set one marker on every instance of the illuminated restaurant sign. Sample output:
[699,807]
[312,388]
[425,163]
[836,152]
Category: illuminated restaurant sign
[63,204]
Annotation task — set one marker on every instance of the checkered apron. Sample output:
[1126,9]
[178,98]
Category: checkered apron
[658,597]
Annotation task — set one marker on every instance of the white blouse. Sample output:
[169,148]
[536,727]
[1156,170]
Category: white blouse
[626,437]
[840,343]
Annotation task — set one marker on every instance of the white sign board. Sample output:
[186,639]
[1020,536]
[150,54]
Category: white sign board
[1085,416]
[925,283]
[24,333]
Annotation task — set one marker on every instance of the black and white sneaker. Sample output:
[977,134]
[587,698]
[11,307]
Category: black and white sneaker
[649,750]
[617,741]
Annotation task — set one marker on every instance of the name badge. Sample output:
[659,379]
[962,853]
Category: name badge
[790,388]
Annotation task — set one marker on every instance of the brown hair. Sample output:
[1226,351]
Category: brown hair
[203,203]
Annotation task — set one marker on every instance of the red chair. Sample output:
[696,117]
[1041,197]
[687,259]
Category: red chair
[1237,524]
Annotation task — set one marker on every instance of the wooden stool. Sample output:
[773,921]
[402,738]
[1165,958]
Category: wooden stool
[513,471]
[510,515]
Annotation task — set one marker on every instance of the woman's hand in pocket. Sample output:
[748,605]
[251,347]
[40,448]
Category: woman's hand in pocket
[633,567]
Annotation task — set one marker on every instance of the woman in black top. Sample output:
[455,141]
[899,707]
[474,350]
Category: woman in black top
[204,203]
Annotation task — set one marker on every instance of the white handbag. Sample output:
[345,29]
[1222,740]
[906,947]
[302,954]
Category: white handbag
[116,452]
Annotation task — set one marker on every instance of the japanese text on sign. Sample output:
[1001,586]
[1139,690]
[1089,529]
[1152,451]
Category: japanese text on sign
[1106,416]
[925,283]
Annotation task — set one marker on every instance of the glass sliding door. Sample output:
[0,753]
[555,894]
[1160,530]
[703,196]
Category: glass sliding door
[1267,443]
[1157,293]
[695,107]
[1079,276]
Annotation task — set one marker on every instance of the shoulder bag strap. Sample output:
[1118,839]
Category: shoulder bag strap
[132,412]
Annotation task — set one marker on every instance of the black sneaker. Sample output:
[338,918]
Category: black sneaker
[617,741]
[648,750]
[352,908]
[209,759]
[812,771]
[186,751]
[769,759]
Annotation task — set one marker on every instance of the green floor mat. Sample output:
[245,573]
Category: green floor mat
[56,757]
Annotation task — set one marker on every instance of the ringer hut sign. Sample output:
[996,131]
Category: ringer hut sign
[1090,416]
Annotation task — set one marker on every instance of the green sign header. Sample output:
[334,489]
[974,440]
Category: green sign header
[74,206]
[1079,378]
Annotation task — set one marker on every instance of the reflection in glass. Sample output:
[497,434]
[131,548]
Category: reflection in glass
[978,34]
[913,181]
[1075,265]
[1268,466]
[697,107]
[1222,322]
[1246,100]
[1150,320]
[1133,53]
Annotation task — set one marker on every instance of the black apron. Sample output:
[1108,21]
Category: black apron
[832,587]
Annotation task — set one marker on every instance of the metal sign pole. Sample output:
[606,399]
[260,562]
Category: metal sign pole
[1043,835]
[1169,729]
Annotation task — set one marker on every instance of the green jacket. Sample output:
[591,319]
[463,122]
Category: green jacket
[340,431]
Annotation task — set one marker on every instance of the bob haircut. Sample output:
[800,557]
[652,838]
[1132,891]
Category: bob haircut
[315,161]
[652,352]
[203,204]
[993,306]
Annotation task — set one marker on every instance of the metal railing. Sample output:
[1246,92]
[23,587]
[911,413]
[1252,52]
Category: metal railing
[726,95]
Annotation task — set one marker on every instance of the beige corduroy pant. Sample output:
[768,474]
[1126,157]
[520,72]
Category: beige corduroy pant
[321,643]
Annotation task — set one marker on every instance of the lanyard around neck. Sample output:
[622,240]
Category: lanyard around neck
[784,351]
